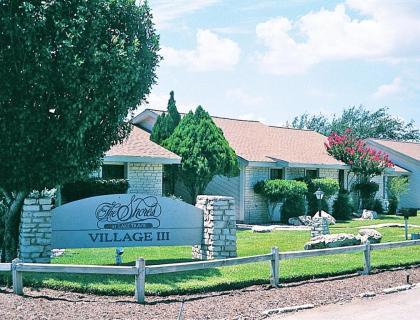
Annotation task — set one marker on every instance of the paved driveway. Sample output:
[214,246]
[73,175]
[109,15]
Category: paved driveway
[402,306]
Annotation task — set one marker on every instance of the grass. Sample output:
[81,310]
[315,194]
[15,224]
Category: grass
[227,277]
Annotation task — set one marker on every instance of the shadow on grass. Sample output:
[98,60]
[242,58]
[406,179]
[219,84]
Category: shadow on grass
[150,262]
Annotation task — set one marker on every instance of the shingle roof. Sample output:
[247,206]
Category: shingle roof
[138,144]
[255,141]
[410,149]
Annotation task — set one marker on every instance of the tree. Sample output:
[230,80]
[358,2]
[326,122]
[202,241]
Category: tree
[364,162]
[364,123]
[396,187]
[165,125]
[166,122]
[71,72]
[204,150]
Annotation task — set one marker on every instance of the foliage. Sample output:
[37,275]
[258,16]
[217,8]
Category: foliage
[166,122]
[204,150]
[164,127]
[328,185]
[365,124]
[392,206]
[290,192]
[342,207]
[396,187]
[293,206]
[377,206]
[71,72]
[367,192]
[278,190]
[364,161]
[93,187]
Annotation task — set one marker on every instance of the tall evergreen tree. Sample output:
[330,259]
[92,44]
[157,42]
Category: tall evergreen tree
[166,122]
[165,125]
[204,150]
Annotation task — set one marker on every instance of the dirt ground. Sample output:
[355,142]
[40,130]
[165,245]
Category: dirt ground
[248,303]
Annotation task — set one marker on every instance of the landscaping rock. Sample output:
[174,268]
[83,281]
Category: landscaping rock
[356,214]
[294,221]
[262,229]
[305,220]
[332,241]
[300,221]
[330,218]
[370,234]
[369,214]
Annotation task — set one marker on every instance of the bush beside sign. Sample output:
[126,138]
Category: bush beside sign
[126,220]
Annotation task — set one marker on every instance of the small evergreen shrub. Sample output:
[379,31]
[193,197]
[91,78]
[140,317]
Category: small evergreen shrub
[328,185]
[293,206]
[93,187]
[378,206]
[367,192]
[290,192]
[342,207]
[393,205]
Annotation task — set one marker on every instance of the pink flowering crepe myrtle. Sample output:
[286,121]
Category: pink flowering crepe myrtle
[364,161]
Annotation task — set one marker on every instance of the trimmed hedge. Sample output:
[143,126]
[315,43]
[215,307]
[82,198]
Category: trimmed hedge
[329,186]
[92,187]
[278,190]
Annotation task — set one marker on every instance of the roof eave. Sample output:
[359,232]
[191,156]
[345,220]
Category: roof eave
[142,159]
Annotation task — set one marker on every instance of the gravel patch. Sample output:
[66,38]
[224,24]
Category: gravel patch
[249,303]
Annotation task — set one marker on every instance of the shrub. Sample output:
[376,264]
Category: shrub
[293,206]
[342,206]
[392,206]
[92,187]
[3,210]
[290,192]
[377,206]
[328,185]
[367,192]
[396,187]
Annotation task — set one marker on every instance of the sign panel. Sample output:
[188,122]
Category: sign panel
[126,220]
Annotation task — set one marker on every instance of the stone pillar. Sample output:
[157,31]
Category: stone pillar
[35,230]
[319,227]
[219,234]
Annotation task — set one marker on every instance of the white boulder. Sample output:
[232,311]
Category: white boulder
[370,234]
[332,241]
[369,214]
[330,218]
[262,229]
[294,221]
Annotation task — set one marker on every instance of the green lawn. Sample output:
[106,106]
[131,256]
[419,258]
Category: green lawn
[227,277]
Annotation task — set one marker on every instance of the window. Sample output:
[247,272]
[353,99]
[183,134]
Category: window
[276,174]
[113,171]
[313,174]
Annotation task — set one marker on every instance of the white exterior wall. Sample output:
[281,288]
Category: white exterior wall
[255,206]
[145,178]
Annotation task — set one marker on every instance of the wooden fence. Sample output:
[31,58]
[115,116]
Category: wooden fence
[140,270]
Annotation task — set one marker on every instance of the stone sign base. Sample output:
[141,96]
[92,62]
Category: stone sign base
[219,235]
[35,230]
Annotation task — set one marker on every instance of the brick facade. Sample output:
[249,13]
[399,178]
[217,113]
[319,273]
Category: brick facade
[145,178]
[255,206]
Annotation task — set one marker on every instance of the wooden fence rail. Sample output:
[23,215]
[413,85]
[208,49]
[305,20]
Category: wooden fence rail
[140,270]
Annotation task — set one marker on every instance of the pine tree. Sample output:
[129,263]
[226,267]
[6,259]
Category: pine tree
[166,122]
[204,150]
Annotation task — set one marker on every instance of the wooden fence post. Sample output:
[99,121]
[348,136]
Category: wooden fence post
[366,269]
[17,278]
[275,267]
[140,280]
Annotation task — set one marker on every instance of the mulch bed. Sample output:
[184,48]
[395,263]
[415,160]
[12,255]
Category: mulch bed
[247,303]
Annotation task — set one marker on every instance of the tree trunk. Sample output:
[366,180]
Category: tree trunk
[11,227]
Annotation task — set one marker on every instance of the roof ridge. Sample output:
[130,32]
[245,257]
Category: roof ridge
[291,128]
[398,141]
